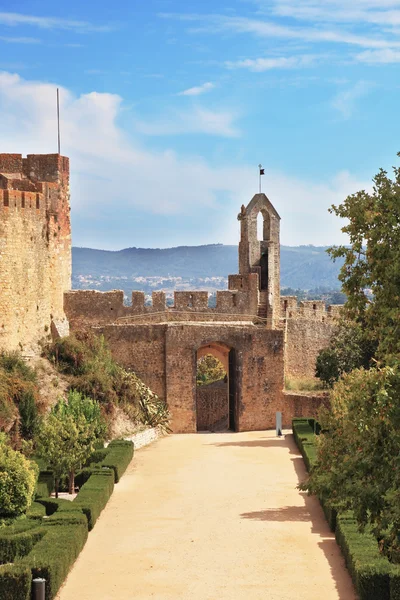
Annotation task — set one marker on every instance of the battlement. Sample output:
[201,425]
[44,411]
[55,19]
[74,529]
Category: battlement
[94,307]
[50,168]
[308,309]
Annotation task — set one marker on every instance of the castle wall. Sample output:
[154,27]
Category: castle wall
[140,348]
[309,327]
[302,405]
[35,248]
[164,356]
[93,308]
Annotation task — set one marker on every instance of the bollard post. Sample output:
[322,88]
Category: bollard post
[38,589]
[278,422]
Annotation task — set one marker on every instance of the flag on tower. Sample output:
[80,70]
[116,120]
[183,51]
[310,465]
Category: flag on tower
[262,172]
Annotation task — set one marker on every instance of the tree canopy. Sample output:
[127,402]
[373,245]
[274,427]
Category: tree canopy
[370,275]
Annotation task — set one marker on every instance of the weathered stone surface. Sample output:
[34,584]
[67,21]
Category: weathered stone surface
[35,246]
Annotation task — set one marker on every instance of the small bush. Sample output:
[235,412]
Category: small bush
[119,455]
[17,481]
[45,484]
[18,545]
[15,583]
[36,511]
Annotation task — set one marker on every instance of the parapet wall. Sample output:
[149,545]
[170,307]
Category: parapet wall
[101,308]
[308,327]
[35,247]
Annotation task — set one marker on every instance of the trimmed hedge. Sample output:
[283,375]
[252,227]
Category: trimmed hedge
[48,548]
[53,556]
[15,583]
[15,545]
[119,455]
[36,511]
[374,577]
[45,484]
[94,495]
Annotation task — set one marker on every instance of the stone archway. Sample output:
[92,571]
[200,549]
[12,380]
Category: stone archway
[216,402]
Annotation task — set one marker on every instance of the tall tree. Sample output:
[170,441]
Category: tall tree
[370,274]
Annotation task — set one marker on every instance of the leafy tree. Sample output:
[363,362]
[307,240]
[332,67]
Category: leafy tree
[17,481]
[358,464]
[68,436]
[209,369]
[370,274]
[349,349]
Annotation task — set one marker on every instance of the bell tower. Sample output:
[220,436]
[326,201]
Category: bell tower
[262,256]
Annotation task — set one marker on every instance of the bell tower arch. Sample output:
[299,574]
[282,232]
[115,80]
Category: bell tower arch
[262,256]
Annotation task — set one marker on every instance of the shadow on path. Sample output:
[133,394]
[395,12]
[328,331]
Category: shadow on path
[311,512]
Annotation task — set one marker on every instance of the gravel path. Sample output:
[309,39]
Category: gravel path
[211,517]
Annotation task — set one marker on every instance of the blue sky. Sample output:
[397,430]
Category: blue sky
[169,106]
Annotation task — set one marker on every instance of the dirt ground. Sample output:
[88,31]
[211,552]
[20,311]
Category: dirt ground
[211,517]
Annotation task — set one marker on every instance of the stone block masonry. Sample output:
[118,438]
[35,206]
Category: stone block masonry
[35,248]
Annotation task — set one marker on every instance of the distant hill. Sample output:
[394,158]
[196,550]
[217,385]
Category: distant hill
[304,267]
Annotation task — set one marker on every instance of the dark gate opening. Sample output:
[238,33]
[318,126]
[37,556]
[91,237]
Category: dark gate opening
[232,391]
[264,270]
[216,389]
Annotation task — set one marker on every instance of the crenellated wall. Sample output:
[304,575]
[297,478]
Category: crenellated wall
[35,247]
[308,328]
[90,307]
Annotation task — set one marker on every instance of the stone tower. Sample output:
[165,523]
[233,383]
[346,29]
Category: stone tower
[262,256]
[35,248]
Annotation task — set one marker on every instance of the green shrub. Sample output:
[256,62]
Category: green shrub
[36,511]
[119,455]
[370,570]
[395,586]
[45,484]
[94,495]
[17,481]
[15,583]
[53,556]
[97,456]
[17,545]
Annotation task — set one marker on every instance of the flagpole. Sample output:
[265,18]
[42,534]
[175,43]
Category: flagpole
[259,177]
[58,121]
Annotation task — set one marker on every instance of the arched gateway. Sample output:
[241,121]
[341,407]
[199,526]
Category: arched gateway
[216,402]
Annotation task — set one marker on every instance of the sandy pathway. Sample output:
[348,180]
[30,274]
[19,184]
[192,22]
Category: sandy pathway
[211,517]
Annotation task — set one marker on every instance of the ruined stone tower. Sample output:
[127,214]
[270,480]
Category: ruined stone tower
[262,256]
[35,247]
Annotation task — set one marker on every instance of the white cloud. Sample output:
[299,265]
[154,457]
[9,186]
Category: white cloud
[195,120]
[384,56]
[346,100]
[378,12]
[113,175]
[14,19]
[264,28]
[266,64]
[198,90]
[19,40]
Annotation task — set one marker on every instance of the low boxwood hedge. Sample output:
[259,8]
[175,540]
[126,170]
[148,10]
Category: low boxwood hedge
[374,577]
[15,582]
[48,547]
[119,455]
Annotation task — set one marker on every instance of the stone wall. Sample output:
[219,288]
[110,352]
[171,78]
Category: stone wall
[302,405]
[90,307]
[35,247]
[165,357]
[308,328]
